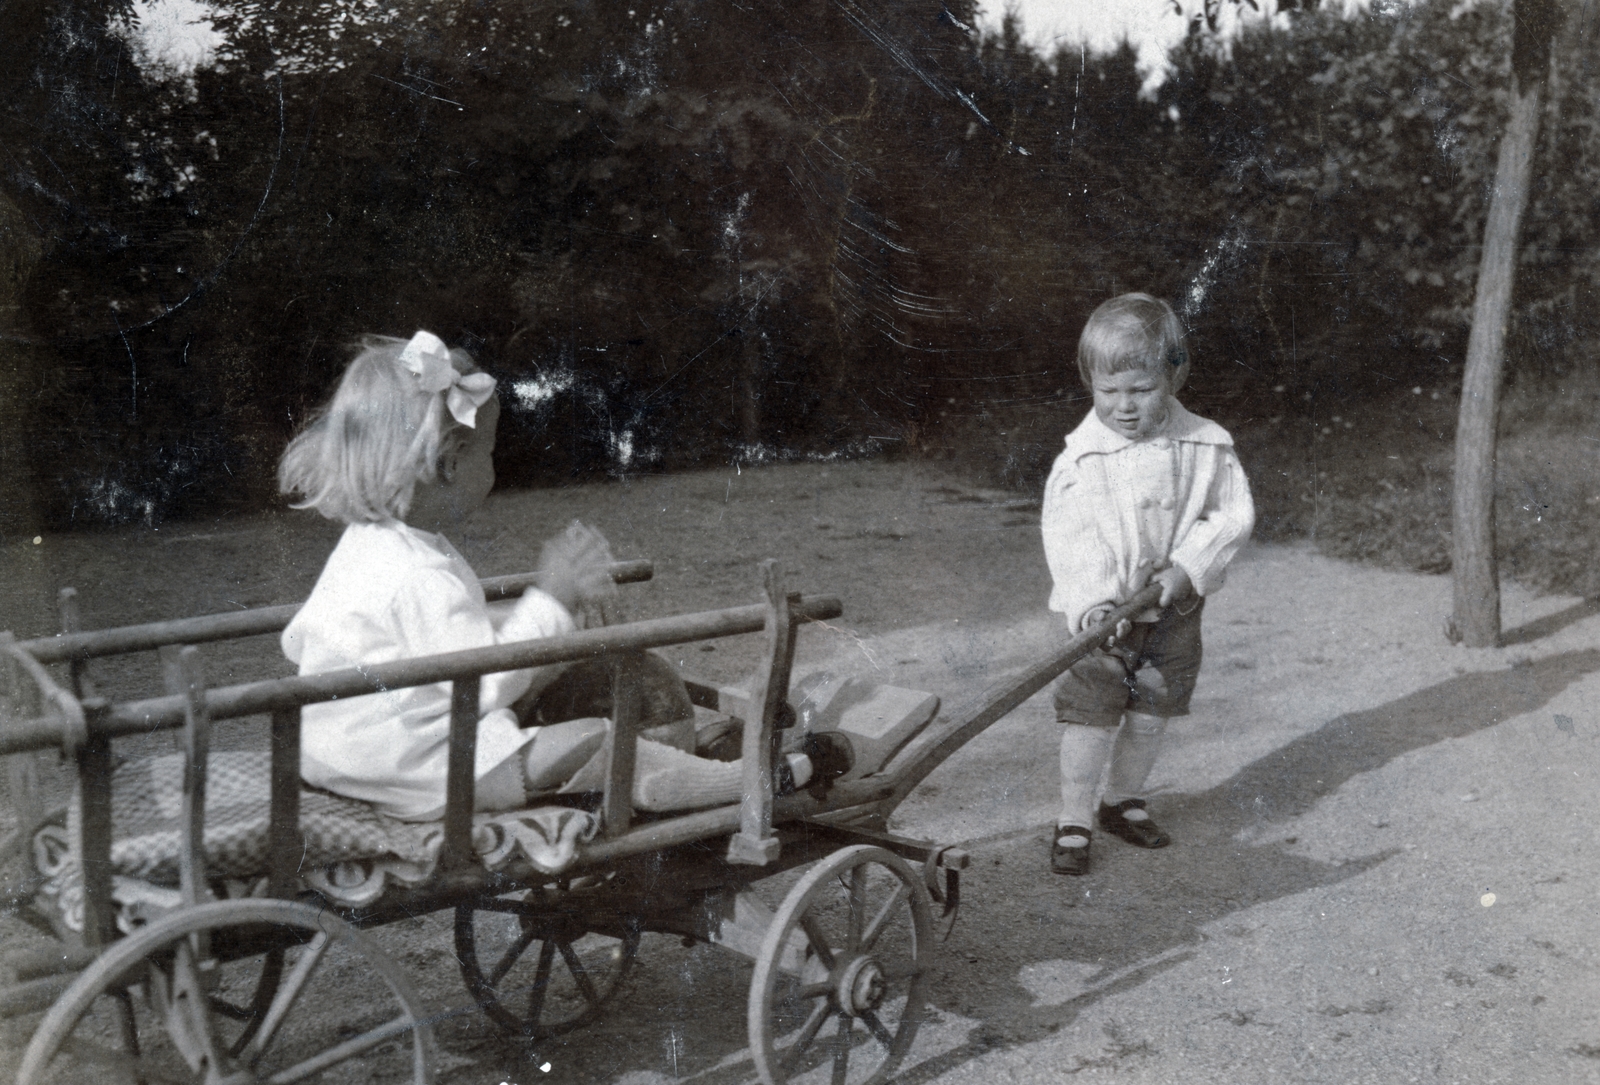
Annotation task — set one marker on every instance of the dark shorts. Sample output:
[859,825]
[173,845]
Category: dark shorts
[1152,670]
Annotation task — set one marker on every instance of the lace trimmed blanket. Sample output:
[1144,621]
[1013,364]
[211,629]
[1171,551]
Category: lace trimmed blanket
[351,853]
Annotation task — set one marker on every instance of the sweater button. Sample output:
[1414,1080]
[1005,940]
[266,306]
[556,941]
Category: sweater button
[1166,502]
[1145,502]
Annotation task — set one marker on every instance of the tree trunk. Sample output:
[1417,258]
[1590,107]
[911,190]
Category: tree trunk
[1476,617]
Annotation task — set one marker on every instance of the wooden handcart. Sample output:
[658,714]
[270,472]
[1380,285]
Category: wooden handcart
[216,972]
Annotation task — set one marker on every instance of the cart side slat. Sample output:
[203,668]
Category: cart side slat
[754,843]
[621,746]
[285,844]
[74,645]
[460,777]
[94,841]
[185,676]
[71,624]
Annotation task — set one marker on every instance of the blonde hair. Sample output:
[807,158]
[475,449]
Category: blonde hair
[361,456]
[1134,331]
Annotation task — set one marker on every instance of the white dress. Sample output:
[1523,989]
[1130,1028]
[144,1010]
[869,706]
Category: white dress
[390,592]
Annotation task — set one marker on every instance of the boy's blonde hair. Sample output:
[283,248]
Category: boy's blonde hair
[361,456]
[1134,331]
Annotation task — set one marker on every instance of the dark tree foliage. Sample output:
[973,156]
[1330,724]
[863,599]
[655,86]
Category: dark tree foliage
[1344,165]
[691,230]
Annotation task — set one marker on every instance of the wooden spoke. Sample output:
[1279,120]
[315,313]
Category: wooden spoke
[541,981]
[814,990]
[579,975]
[841,1050]
[260,1001]
[819,940]
[288,993]
[876,1028]
[858,908]
[352,1047]
[808,1032]
[513,955]
[869,937]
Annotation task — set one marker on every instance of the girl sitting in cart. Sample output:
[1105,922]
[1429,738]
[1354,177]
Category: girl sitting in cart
[401,454]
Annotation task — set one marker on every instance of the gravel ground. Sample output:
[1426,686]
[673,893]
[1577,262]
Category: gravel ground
[1383,869]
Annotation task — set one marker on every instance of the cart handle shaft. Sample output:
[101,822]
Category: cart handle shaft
[955,731]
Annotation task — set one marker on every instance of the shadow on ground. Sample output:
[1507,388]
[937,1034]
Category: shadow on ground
[1550,624]
[1136,915]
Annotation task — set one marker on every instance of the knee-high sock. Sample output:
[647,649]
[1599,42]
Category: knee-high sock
[1134,755]
[669,779]
[1084,751]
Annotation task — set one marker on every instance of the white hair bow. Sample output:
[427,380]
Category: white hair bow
[428,357]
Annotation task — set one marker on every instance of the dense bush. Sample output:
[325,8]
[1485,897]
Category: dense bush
[1347,167]
[700,229]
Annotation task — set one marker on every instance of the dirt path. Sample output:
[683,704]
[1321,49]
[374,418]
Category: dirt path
[1345,799]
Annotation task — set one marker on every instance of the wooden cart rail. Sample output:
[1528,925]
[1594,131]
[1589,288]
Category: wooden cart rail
[248,623]
[255,698]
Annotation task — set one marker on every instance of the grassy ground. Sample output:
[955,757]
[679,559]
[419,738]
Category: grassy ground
[1368,481]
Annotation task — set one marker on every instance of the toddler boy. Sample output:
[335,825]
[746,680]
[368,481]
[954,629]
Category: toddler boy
[1145,492]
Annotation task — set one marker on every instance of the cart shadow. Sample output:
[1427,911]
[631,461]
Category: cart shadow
[1137,915]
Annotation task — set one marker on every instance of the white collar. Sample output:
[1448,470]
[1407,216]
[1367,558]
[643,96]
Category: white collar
[1094,436]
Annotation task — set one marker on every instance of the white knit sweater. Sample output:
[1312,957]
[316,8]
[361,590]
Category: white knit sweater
[1117,510]
[392,592]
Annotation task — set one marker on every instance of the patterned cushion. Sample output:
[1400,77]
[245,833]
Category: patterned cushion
[350,852]
[147,808]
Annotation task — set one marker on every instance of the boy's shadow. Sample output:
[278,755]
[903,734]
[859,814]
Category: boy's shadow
[1134,916]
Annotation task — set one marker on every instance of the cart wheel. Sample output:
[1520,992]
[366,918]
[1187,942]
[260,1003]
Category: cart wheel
[549,971]
[840,975]
[104,1028]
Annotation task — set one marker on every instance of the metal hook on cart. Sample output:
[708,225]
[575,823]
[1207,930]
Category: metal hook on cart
[952,859]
